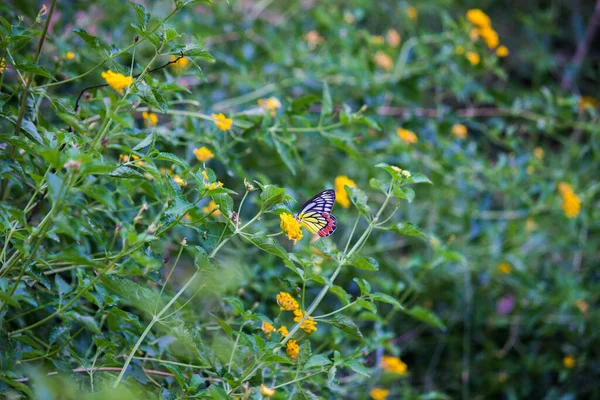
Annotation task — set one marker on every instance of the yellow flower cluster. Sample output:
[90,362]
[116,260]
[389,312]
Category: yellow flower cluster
[309,325]
[267,327]
[393,365]
[504,268]
[70,55]
[214,185]
[178,180]
[569,361]
[584,102]
[203,154]
[408,137]
[210,207]
[538,152]
[271,104]
[286,302]
[292,349]
[222,122]
[291,227]
[2,65]
[571,204]
[459,130]
[482,28]
[179,64]
[117,81]
[150,119]
[266,391]
[378,393]
[473,57]
[383,61]
[341,196]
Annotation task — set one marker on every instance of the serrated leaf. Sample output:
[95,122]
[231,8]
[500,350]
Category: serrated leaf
[171,158]
[377,296]
[366,263]
[225,202]
[147,141]
[357,367]
[192,50]
[126,172]
[276,358]
[403,193]
[345,324]
[176,372]
[418,178]
[32,68]
[407,228]
[87,38]
[142,14]
[365,287]
[359,199]
[224,325]
[272,195]
[86,321]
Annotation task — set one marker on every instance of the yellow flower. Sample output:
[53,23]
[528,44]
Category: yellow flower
[211,206]
[137,162]
[286,302]
[473,57]
[283,330]
[587,101]
[341,196]
[213,186]
[292,349]
[313,39]
[478,18]
[309,325]
[489,36]
[502,51]
[564,187]
[459,130]
[394,365]
[167,171]
[203,155]
[571,204]
[393,38]
[474,34]
[378,393]
[538,152]
[530,225]
[70,55]
[412,13]
[377,39]
[569,361]
[266,391]
[383,61]
[408,137]
[267,327]
[179,181]
[291,227]
[150,119]
[2,65]
[504,268]
[179,64]
[117,81]
[271,104]
[123,159]
[582,305]
[223,123]
[460,50]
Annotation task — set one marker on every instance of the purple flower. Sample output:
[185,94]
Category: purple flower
[505,304]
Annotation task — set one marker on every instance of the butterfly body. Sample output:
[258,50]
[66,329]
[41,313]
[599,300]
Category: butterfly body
[315,214]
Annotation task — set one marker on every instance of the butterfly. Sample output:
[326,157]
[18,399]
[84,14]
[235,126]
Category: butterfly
[315,214]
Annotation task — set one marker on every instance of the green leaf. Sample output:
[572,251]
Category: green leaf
[225,203]
[418,178]
[404,193]
[326,102]
[357,367]
[86,321]
[318,360]
[90,40]
[147,141]
[378,296]
[63,287]
[54,186]
[171,158]
[341,294]
[30,67]
[284,154]
[367,263]
[407,228]
[379,185]
[192,50]
[365,287]
[134,294]
[224,325]
[269,245]
[149,95]
[177,372]
[426,316]
[276,358]
[28,128]
[125,172]
[142,14]
[359,199]
[271,195]
[345,324]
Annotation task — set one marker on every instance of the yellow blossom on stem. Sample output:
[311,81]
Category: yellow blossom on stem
[271,104]
[70,55]
[123,158]
[117,81]
[538,152]
[489,36]
[502,51]
[582,305]
[292,349]
[571,204]
[564,187]
[383,61]
[478,18]
[393,38]
[412,13]
[378,393]
[266,391]
[211,206]
[291,227]
[459,130]
[267,327]
[140,163]
[283,330]
[181,63]
[341,196]
[309,325]
[214,185]
[150,119]
[203,154]
[393,365]
[569,361]
[504,268]
[179,181]
[408,137]
[223,123]
[473,57]
[2,65]
[286,302]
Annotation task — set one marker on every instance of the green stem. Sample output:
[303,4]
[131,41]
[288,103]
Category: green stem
[338,310]
[299,379]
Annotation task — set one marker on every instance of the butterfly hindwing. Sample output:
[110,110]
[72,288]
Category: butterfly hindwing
[315,214]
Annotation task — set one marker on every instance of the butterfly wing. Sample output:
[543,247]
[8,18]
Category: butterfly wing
[315,214]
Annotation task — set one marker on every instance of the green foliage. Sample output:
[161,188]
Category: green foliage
[147,244]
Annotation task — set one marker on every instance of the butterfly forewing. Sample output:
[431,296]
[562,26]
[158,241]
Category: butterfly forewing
[315,214]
